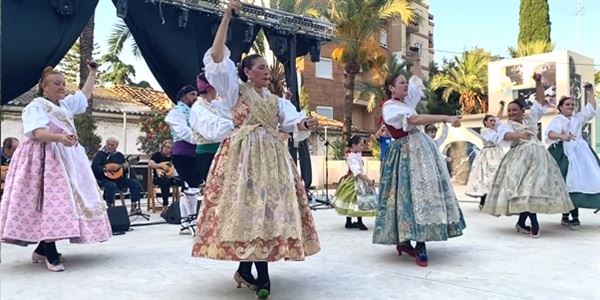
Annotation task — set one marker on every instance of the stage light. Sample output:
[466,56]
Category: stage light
[183,18]
[315,51]
[279,46]
[121,8]
[64,8]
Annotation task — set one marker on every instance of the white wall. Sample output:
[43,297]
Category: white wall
[13,126]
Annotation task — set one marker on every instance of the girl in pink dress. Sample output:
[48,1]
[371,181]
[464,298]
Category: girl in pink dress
[51,193]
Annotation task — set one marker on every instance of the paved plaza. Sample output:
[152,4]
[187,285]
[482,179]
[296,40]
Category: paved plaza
[490,261]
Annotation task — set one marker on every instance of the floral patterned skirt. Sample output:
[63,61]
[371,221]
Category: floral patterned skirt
[528,179]
[483,170]
[348,201]
[255,207]
[41,203]
[416,199]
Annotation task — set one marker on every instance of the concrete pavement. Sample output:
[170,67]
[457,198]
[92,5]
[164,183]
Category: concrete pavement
[491,261]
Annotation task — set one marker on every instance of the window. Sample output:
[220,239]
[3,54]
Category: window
[383,38]
[420,46]
[324,68]
[325,111]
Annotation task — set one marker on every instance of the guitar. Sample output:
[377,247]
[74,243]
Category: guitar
[165,169]
[117,170]
[3,172]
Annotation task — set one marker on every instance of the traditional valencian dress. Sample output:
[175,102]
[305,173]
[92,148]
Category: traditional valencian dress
[528,179]
[354,196]
[51,193]
[416,200]
[486,163]
[578,163]
[255,207]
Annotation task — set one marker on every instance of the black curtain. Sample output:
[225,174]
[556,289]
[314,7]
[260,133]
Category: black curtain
[286,47]
[174,49]
[36,34]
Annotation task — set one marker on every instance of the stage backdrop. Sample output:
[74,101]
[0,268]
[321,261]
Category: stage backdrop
[36,34]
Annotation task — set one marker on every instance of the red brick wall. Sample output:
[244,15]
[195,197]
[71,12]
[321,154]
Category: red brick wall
[331,92]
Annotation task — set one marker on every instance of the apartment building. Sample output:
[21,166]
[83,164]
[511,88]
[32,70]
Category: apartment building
[324,80]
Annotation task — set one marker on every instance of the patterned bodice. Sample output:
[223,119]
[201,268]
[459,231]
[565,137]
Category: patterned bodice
[252,109]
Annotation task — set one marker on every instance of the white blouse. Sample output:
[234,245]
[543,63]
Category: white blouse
[211,121]
[573,125]
[491,137]
[529,123]
[355,163]
[223,77]
[34,115]
[178,122]
[396,113]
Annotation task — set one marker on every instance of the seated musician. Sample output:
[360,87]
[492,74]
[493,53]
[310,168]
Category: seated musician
[110,166]
[9,145]
[162,170]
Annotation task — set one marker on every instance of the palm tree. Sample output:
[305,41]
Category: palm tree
[86,49]
[373,89]
[531,48]
[118,72]
[358,24]
[119,36]
[468,78]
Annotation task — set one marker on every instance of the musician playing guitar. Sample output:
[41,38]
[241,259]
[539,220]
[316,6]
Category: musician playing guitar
[9,145]
[163,170]
[108,163]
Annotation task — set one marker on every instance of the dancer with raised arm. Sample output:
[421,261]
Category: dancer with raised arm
[255,208]
[487,160]
[578,163]
[416,200]
[528,180]
[51,193]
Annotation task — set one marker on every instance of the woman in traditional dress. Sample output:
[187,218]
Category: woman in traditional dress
[51,193]
[355,193]
[487,160]
[578,163]
[416,201]
[255,208]
[528,180]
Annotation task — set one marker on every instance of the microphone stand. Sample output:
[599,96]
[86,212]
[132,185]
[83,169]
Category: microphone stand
[324,203]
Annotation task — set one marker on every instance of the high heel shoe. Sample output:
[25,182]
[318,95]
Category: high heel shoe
[264,291]
[241,281]
[38,258]
[421,257]
[408,249]
[56,266]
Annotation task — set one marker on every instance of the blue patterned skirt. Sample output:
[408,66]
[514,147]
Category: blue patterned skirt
[416,200]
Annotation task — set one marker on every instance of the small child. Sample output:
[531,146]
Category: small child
[355,193]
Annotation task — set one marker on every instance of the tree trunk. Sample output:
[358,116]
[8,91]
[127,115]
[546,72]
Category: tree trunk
[86,48]
[348,103]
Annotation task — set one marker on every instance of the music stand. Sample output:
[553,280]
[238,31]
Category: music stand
[323,203]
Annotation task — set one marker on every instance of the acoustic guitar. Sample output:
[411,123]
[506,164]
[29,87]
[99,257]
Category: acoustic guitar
[165,169]
[3,172]
[117,169]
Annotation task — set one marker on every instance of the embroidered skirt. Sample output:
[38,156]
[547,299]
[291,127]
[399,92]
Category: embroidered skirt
[528,179]
[255,207]
[483,170]
[348,202]
[416,199]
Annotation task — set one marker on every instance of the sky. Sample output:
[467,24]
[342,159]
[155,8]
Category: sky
[459,25]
